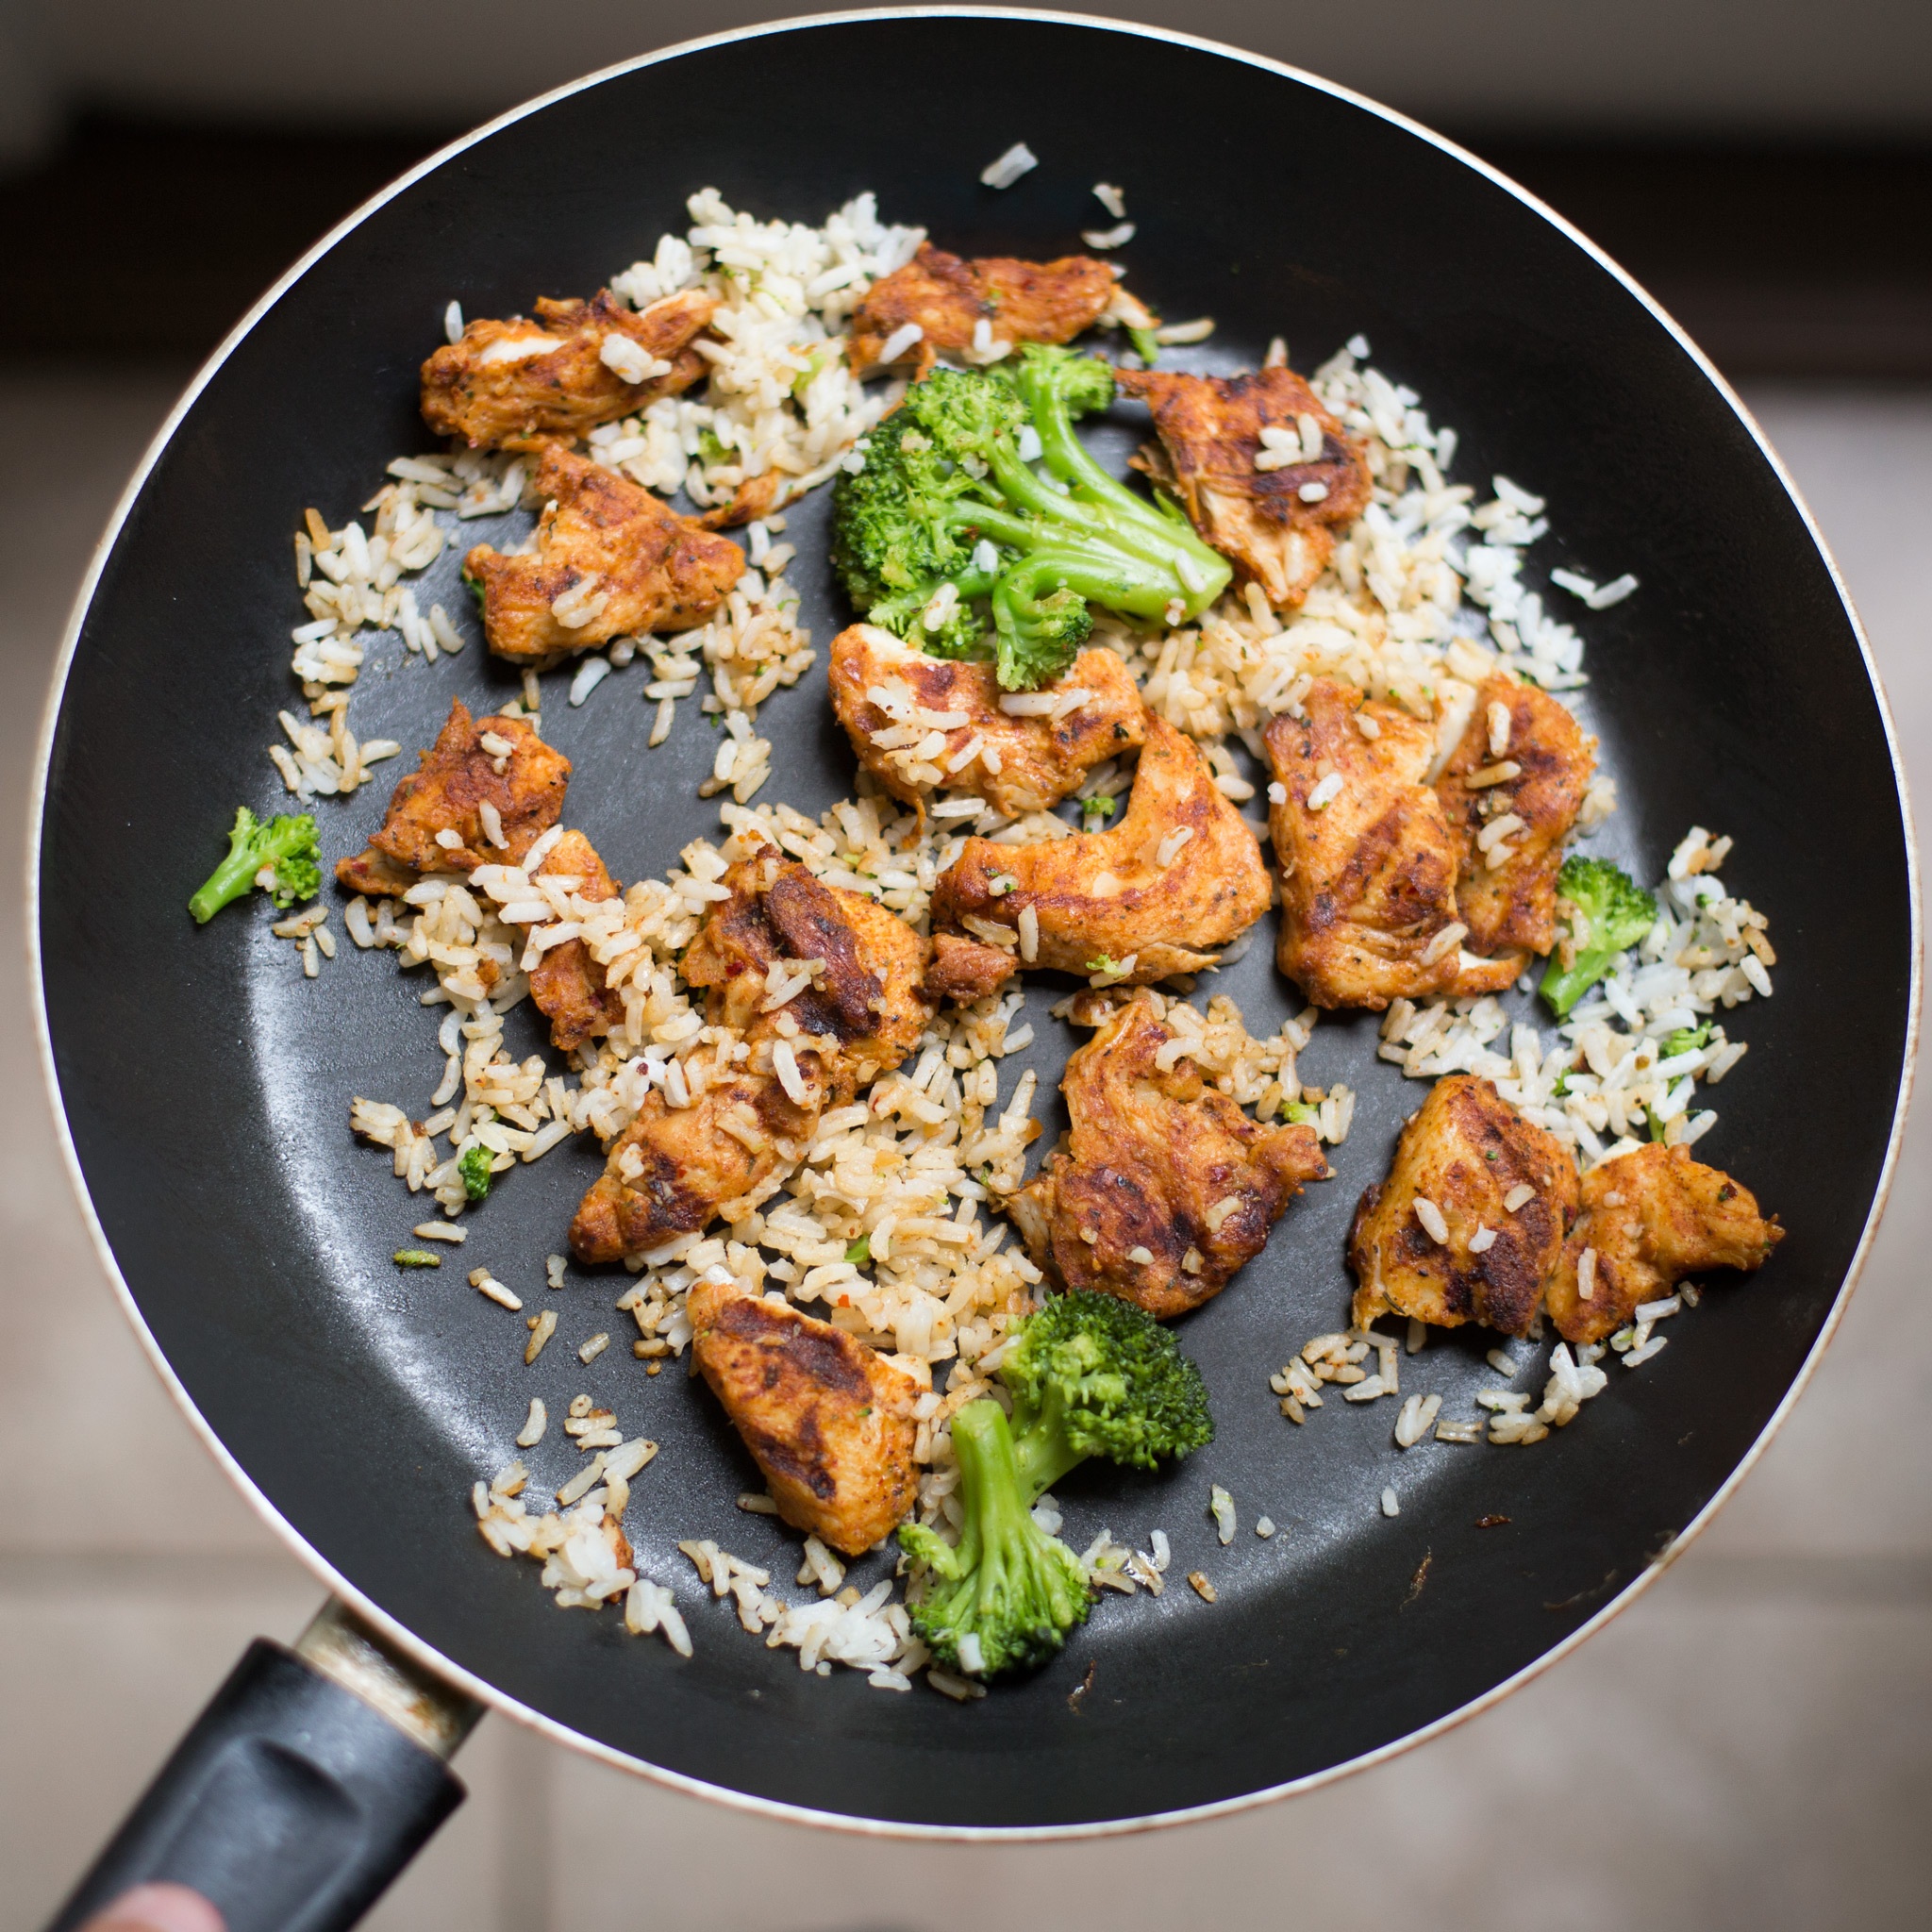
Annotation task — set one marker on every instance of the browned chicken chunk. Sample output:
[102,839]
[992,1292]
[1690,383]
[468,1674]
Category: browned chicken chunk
[1470,1219]
[1368,859]
[828,1419]
[1178,878]
[674,1168]
[437,819]
[1275,525]
[508,384]
[619,559]
[1523,757]
[1649,1219]
[948,298]
[1017,764]
[566,984]
[863,1012]
[1165,1188]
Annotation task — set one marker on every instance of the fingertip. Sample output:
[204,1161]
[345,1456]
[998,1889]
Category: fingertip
[158,1908]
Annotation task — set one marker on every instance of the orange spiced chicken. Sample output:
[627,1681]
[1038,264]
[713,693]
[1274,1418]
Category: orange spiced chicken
[509,385]
[1469,1222]
[1649,1219]
[920,724]
[962,304]
[716,1136]
[1368,859]
[1164,1188]
[827,1419]
[1511,792]
[1263,470]
[1177,880]
[486,791]
[609,560]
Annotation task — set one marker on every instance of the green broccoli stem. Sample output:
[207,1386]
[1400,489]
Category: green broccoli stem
[1097,576]
[1008,1557]
[1041,1453]
[1069,459]
[996,1497]
[1113,521]
[235,876]
[1563,988]
[1062,522]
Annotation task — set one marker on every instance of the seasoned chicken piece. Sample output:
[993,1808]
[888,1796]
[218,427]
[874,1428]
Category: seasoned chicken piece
[966,970]
[1368,861]
[863,1012]
[1465,1157]
[1276,526]
[508,385]
[1649,1219]
[439,816]
[1165,1188]
[375,874]
[1179,878]
[566,984]
[897,705]
[948,298]
[620,562]
[1522,758]
[674,1168]
[827,1418]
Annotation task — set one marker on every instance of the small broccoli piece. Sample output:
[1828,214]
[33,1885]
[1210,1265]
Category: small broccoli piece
[1090,1375]
[416,1257]
[1146,345]
[473,1164]
[285,847]
[1686,1040]
[1302,1113]
[859,1252]
[1005,1595]
[944,498]
[1095,811]
[1616,914]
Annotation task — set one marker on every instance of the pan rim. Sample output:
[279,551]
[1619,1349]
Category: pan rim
[480,1688]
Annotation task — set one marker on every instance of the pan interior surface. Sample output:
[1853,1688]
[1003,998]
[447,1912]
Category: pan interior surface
[207,1084]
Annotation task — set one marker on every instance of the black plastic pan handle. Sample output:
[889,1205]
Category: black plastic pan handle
[306,1785]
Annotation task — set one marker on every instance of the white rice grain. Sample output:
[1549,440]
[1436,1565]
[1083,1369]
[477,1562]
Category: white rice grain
[1017,160]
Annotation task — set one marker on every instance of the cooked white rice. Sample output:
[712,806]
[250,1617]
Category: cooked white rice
[1602,1081]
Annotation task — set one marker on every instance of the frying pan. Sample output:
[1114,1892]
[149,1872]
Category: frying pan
[204,1084]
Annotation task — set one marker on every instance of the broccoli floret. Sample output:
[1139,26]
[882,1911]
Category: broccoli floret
[1616,914]
[1095,811]
[859,1252]
[1090,1375]
[473,1164]
[1302,1113]
[1146,345]
[416,1257]
[286,846]
[948,494]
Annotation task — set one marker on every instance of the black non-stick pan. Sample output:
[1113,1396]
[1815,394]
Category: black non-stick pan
[204,1084]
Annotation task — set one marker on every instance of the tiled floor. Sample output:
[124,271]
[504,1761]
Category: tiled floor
[1750,1746]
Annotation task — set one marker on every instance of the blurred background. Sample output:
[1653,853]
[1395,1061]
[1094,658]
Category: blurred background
[1749,1746]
